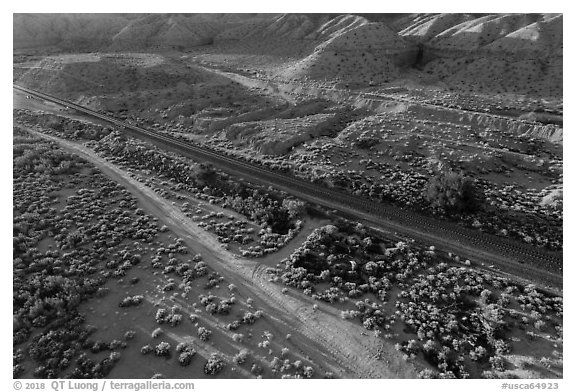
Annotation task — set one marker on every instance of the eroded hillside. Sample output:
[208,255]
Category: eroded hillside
[496,53]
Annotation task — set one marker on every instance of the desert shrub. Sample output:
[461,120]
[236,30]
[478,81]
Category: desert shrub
[211,308]
[214,365]
[275,363]
[478,353]
[238,337]
[114,344]
[308,372]
[249,318]
[170,317]
[500,347]
[131,301]
[162,349]
[546,362]
[540,325]
[201,268]
[98,346]
[175,319]
[498,363]
[204,333]
[129,335]
[114,356]
[240,357]
[147,349]
[427,374]
[186,356]
[233,326]
[349,314]
[256,369]
[161,315]
[295,208]
[183,346]
[17,370]
[486,296]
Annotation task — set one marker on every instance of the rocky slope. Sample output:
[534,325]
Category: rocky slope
[495,53]
[499,53]
[359,52]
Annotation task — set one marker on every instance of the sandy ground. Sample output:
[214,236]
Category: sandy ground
[339,345]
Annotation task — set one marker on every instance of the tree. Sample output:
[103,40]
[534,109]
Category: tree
[206,174]
[295,208]
[452,192]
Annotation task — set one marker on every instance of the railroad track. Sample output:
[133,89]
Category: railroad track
[445,235]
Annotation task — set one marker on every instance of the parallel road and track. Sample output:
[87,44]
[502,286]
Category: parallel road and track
[278,86]
[510,256]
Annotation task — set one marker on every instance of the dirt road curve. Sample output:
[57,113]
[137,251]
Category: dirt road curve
[341,346]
